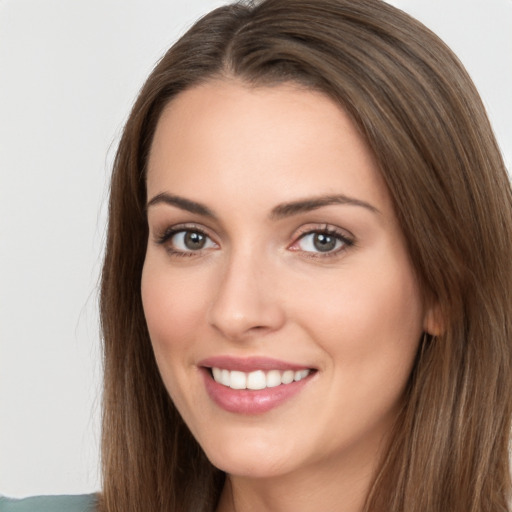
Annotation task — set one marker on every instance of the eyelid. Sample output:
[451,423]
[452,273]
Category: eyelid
[347,239]
[164,236]
[169,229]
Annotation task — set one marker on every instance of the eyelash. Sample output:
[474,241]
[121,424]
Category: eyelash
[330,231]
[171,232]
[346,241]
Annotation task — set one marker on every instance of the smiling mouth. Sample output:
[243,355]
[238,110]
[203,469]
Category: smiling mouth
[258,379]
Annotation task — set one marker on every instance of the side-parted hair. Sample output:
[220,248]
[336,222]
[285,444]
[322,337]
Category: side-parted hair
[423,119]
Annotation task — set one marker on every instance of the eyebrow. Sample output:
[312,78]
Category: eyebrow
[279,212]
[182,203]
[306,205]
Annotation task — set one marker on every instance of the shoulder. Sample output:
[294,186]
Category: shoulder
[79,503]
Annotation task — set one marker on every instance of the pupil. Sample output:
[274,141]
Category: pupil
[194,240]
[324,243]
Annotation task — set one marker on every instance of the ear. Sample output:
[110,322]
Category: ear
[433,321]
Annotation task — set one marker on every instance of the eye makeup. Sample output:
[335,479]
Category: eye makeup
[312,241]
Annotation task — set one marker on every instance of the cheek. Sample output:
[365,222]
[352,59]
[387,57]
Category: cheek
[385,308]
[173,306]
[369,328]
[368,321]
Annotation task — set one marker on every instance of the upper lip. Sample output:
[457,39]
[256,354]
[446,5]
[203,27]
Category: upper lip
[250,364]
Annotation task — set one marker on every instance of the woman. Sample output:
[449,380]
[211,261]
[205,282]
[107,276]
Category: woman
[306,290]
[414,135]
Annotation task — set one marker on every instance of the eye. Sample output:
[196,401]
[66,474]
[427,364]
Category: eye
[319,242]
[190,241]
[325,242]
[186,241]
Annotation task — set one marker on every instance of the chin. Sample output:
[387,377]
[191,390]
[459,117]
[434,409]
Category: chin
[250,460]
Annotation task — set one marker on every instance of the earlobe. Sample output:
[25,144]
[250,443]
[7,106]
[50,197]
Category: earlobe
[433,321]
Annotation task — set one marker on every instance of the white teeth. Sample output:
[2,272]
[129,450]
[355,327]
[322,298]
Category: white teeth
[287,377]
[273,378]
[225,377]
[299,375]
[217,372]
[257,379]
[237,380]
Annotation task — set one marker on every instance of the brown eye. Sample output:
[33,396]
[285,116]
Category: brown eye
[194,240]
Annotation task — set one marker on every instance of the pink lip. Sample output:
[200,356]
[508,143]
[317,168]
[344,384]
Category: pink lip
[247,401]
[249,364]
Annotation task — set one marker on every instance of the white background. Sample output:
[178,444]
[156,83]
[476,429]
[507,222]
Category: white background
[69,71]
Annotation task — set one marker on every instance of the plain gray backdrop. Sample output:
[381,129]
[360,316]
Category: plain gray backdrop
[69,72]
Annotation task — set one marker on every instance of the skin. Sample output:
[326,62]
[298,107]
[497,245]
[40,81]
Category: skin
[260,287]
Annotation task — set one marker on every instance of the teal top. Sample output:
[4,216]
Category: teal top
[79,503]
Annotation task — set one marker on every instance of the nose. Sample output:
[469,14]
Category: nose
[246,301]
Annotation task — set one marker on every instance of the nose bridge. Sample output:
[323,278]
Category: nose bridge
[245,301]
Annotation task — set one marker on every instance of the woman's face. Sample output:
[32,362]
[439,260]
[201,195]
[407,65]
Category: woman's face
[282,307]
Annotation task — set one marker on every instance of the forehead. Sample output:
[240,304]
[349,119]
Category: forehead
[225,139]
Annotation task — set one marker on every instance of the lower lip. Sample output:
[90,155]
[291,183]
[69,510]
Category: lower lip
[248,401]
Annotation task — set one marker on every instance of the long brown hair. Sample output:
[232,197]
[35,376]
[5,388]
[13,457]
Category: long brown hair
[420,113]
